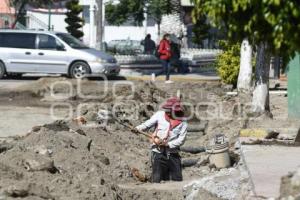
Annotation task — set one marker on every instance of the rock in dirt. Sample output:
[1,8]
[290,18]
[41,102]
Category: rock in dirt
[102,158]
[226,184]
[25,189]
[80,132]
[5,147]
[272,134]
[137,174]
[39,163]
[41,149]
[58,125]
[18,190]
[290,186]
[11,173]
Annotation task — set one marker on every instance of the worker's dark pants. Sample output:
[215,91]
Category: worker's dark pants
[166,167]
[165,70]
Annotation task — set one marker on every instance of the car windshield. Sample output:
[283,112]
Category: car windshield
[72,41]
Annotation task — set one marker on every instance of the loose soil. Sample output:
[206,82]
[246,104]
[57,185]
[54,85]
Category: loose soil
[101,159]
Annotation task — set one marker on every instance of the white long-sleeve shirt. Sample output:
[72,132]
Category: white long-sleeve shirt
[176,136]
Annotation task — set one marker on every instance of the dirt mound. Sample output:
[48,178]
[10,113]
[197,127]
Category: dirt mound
[71,160]
[125,104]
[38,88]
[56,163]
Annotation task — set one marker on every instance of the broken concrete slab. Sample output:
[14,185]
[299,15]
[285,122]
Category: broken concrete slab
[297,139]
[225,184]
[290,186]
[18,190]
[39,163]
[25,189]
[259,133]
[267,164]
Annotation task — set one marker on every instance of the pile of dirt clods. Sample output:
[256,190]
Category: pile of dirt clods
[65,161]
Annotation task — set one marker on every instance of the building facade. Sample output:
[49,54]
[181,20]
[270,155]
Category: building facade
[7,14]
[39,19]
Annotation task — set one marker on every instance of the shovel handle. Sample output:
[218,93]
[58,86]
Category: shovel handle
[140,132]
[132,128]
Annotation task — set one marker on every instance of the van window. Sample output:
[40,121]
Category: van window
[17,40]
[47,42]
[72,41]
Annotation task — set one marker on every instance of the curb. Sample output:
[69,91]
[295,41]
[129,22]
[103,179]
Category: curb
[162,78]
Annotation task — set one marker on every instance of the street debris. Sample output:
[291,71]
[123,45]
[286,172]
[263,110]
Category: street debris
[290,186]
[93,154]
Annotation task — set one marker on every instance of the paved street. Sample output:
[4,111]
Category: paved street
[11,84]
[205,76]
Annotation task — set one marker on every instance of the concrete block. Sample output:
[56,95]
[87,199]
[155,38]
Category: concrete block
[257,133]
[297,139]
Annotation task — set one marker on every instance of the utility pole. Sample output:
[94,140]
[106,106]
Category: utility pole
[100,27]
[49,16]
[146,18]
[92,23]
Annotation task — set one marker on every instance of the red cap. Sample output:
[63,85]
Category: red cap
[173,104]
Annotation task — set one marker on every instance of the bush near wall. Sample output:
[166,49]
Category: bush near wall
[228,63]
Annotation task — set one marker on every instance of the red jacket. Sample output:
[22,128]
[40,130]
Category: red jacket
[164,50]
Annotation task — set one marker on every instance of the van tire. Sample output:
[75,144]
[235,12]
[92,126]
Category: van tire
[2,70]
[79,70]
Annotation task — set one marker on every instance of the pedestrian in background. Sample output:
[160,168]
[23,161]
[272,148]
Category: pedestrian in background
[175,60]
[165,54]
[149,45]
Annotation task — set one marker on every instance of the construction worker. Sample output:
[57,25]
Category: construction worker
[169,135]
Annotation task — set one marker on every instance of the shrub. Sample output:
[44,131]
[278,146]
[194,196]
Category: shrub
[228,63]
[74,21]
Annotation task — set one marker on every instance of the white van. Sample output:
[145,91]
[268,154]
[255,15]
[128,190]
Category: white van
[42,52]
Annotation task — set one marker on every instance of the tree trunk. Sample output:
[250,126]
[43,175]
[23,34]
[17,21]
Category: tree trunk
[277,67]
[245,74]
[99,22]
[19,12]
[260,101]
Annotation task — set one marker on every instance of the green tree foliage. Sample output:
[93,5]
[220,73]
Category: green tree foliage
[116,14]
[158,8]
[228,63]
[73,20]
[269,25]
[135,9]
[274,22]
[19,5]
[201,30]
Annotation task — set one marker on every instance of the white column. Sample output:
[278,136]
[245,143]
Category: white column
[92,24]
[103,24]
[145,23]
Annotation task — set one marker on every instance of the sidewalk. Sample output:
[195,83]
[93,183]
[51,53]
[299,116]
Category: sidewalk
[204,76]
[267,164]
